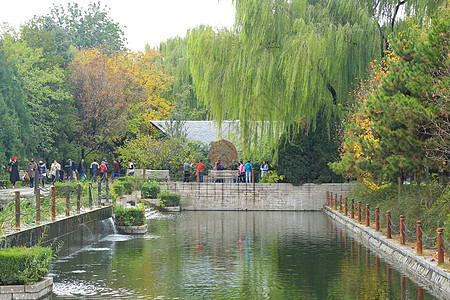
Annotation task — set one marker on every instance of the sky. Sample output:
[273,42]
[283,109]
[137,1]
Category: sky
[144,21]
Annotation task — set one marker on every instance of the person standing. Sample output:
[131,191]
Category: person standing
[103,171]
[264,169]
[116,170]
[235,167]
[187,170]
[81,169]
[74,169]
[31,170]
[13,168]
[219,167]
[241,170]
[200,168]
[42,168]
[94,170]
[54,171]
[130,168]
[69,170]
[248,172]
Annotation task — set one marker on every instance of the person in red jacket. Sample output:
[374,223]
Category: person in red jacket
[200,168]
[116,169]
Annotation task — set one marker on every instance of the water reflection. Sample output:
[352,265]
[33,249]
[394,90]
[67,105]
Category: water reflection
[232,255]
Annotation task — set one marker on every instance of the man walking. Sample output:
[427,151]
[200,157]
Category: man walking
[94,170]
[200,168]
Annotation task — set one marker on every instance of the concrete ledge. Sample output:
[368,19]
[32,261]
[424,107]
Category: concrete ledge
[422,271]
[133,229]
[33,291]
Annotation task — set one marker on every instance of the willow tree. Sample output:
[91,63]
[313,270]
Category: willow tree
[286,61]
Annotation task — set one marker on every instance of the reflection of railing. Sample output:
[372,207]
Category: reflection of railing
[342,238]
[399,229]
[50,206]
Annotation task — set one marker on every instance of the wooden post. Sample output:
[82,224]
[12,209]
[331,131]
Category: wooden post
[67,201]
[91,198]
[253,175]
[345,206]
[402,286]
[107,192]
[100,193]
[377,218]
[402,229]
[53,203]
[340,203]
[440,246]
[352,209]
[78,198]
[388,224]
[367,214]
[335,201]
[419,237]
[419,293]
[359,211]
[327,196]
[17,210]
[38,206]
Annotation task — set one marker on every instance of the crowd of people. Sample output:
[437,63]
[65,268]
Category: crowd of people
[38,172]
[243,172]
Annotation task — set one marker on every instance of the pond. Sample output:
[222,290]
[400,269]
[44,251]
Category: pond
[231,255]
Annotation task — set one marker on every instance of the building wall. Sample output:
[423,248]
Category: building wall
[258,196]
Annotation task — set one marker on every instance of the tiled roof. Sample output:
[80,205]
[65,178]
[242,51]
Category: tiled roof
[207,131]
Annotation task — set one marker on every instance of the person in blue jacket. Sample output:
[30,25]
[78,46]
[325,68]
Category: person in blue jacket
[248,172]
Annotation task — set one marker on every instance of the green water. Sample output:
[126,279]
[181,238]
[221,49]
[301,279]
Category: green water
[231,255]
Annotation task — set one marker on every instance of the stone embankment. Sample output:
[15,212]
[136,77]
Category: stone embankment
[425,272]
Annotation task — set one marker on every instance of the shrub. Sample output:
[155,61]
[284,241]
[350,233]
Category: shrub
[20,265]
[150,189]
[167,199]
[133,216]
[61,189]
[272,177]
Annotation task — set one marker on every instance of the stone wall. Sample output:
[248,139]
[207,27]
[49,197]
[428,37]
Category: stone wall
[257,196]
[422,271]
[75,231]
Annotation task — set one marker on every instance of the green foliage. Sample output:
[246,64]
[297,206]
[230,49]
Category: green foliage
[272,177]
[133,216]
[20,265]
[158,154]
[167,199]
[428,203]
[150,189]
[88,28]
[305,157]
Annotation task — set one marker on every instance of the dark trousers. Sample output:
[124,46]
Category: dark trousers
[187,174]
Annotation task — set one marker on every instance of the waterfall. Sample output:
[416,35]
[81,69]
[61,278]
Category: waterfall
[109,225]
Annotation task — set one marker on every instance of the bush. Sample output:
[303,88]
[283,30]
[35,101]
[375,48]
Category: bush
[133,216]
[150,189]
[61,189]
[20,265]
[167,199]
[272,177]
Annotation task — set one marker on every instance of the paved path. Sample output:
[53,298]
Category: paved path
[7,195]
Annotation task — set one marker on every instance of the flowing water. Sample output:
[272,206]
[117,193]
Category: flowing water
[231,255]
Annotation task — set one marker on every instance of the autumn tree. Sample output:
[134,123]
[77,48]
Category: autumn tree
[116,94]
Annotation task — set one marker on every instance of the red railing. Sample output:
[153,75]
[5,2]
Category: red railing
[400,229]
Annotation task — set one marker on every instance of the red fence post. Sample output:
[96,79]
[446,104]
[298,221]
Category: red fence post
[377,218]
[340,203]
[352,209]
[440,246]
[388,224]
[359,211]
[419,237]
[402,229]
[17,210]
[345,206]
[328,198]
[367,214]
